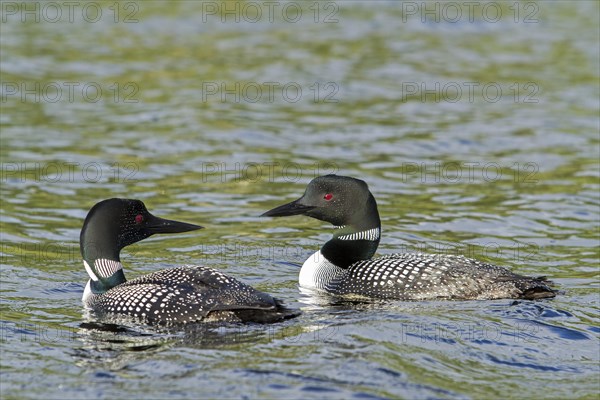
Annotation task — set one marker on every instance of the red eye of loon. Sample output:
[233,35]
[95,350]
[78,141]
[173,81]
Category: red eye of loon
[139,219]
[328,196]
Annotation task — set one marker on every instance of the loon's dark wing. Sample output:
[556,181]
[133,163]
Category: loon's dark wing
[191,293]
[416,276]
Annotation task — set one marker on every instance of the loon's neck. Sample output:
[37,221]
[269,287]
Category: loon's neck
[100,250]
[104,274]
[356,241]
[349,246]
[103,265]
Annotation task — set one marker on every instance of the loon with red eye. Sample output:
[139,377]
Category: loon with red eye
[344,266]
[182,295]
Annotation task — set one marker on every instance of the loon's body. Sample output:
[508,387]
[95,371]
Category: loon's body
[344,265]
[173,296]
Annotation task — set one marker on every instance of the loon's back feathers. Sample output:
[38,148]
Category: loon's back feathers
[190,294]
[203,281]
[416,276]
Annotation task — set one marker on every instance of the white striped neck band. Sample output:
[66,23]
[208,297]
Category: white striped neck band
[106,268]
[370,234]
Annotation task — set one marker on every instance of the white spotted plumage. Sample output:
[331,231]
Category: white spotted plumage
[180,295]
[415,276]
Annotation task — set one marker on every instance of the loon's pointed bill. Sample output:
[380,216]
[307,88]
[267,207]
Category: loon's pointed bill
[291,208]
[344,266]
[182,295]
[160,225]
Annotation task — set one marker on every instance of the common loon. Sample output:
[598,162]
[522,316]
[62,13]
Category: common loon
[179,295]
[344,265]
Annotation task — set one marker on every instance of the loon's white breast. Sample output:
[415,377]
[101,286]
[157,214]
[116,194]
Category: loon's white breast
[317,272]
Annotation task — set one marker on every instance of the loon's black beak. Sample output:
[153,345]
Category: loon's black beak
[293,208]
[161,225]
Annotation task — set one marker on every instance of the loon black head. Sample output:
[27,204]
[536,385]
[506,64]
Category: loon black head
[111,225]
[346,203]
[340,200]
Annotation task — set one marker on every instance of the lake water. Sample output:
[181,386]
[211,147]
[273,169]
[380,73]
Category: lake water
[476,126]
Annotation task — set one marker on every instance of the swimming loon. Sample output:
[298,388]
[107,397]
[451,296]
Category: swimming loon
[344,265]
[172,296]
